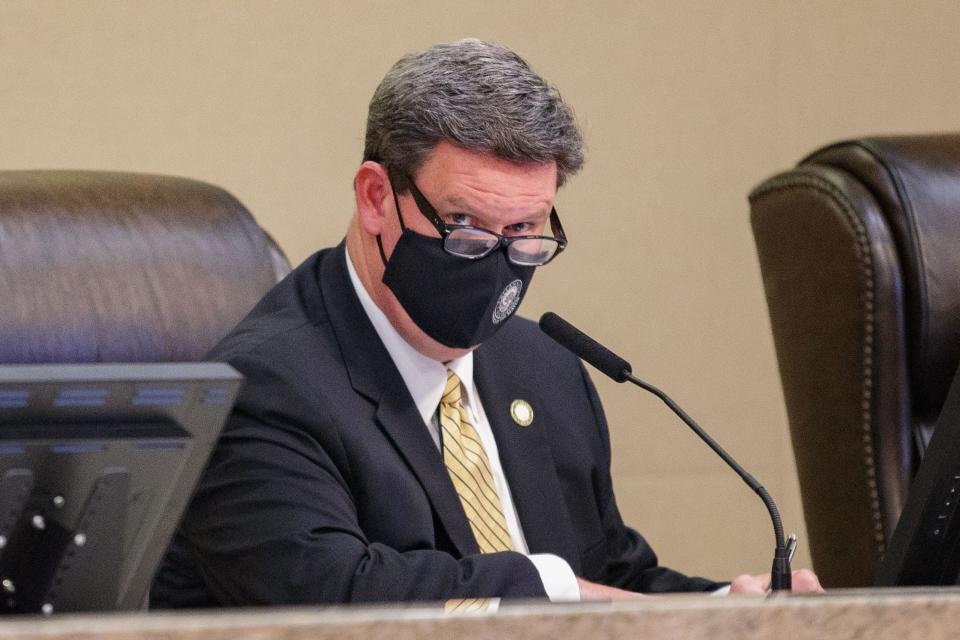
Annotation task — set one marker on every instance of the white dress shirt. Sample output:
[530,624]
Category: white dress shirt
[425,379]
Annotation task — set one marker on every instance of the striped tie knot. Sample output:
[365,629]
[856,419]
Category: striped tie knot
[451,390]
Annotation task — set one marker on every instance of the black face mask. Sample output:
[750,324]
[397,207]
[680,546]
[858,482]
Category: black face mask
[456,301]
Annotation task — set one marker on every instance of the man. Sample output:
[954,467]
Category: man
[401,434]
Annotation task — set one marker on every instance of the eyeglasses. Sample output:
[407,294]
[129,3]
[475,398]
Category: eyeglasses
[474,243]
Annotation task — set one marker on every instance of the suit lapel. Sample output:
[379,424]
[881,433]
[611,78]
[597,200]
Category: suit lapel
[373,374]
[527,460]
[399,418]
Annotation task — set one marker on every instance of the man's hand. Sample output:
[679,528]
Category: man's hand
[593,591]
[804,581]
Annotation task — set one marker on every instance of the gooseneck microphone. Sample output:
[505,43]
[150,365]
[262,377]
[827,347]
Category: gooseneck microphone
[609,363]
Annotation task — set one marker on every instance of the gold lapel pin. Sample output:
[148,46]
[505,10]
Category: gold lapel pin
[521,412]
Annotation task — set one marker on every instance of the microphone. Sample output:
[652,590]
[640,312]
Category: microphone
[612,365]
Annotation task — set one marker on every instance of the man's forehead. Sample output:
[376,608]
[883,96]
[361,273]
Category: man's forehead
[448,157]
[466,178]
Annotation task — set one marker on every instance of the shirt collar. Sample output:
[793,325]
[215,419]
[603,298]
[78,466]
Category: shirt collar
[424,377]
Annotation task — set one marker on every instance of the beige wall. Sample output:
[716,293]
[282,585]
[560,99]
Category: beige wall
[685,105]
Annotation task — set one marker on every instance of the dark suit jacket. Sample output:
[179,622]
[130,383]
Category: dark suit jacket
[326,486]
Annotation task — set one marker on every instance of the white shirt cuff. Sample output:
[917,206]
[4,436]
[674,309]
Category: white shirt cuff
[558,579]
[722,591]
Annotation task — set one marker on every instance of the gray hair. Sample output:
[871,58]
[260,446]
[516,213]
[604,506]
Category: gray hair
[477,95]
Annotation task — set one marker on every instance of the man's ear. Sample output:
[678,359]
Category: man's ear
[374,197]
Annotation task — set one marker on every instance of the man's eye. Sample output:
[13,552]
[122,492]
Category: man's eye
[459,219]
[519,229]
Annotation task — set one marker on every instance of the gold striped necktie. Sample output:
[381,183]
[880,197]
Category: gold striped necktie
[469,469]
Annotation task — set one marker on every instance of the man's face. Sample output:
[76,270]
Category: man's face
[466,188]
[479,190]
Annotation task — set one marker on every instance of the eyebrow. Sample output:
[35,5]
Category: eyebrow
[459,205]
[457,202]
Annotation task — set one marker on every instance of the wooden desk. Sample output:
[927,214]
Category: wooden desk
[900,615]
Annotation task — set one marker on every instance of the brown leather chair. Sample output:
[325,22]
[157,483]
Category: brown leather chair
[859,248]
[122,267]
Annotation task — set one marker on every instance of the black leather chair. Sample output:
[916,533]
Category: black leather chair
[859,247]
[121,267]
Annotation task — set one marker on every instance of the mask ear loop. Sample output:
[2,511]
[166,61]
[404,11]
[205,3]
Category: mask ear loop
[403,227]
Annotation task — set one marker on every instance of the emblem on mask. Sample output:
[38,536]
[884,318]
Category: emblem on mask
[508,301]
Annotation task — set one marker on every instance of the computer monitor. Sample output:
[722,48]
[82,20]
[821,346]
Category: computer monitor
[97,463]
[925,547]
